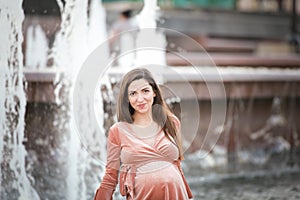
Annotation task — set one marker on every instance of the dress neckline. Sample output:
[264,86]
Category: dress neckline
[134,128]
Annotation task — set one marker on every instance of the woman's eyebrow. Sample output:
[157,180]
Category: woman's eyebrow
[140,88]
[145,87]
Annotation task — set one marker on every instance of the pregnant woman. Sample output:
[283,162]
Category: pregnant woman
[144,148]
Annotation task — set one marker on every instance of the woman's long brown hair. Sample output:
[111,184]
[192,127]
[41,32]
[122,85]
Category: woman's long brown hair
[161,113]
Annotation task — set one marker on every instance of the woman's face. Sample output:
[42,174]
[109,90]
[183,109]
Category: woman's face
[141,96]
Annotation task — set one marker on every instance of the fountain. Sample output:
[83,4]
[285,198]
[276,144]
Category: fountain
[37,47]
[150,42]
[57,166]
[13,176]
[53,146]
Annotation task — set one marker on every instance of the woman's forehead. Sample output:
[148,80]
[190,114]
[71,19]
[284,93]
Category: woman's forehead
[138,84]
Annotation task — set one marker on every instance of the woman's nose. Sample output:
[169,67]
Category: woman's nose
[140,97]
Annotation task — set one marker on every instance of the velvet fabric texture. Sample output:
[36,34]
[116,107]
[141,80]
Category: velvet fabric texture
[148,170]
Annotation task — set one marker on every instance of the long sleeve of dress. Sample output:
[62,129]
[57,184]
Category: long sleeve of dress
[110,179]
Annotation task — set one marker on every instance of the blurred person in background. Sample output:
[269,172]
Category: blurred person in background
[122,32]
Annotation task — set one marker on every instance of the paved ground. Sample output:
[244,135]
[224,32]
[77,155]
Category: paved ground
[262,185]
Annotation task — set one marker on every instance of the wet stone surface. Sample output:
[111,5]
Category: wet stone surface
[268,186]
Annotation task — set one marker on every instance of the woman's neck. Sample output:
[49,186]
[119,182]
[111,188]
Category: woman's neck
[142,120]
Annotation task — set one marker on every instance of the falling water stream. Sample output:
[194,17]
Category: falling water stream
[64,166]
[150,36]
[14,182]
[36,48]
[80,34]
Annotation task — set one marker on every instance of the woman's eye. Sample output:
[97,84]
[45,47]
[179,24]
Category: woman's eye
[131,94]
[146,91]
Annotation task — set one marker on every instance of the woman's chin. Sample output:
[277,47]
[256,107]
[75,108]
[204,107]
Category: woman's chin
[142,111]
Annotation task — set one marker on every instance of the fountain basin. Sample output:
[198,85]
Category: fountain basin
[261,105]
[41,84]
[261,119]
[237,81]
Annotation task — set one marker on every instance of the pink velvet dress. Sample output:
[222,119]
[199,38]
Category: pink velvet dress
[148,171]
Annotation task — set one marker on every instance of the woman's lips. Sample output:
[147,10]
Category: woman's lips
[141,106]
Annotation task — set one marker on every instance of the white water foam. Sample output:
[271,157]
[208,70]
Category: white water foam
[13,175]
[80,34]
[36,48]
